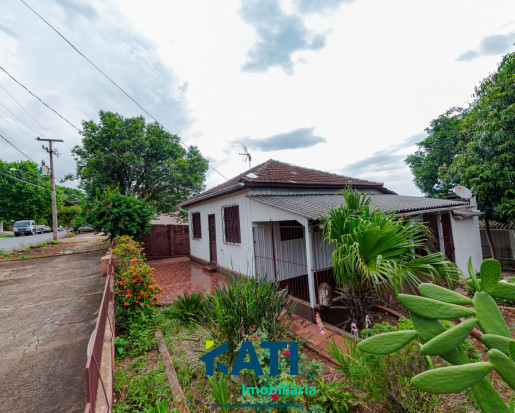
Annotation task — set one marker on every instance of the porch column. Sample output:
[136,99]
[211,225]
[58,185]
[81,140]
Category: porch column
[309,262]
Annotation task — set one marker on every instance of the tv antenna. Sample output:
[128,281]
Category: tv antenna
[246,155]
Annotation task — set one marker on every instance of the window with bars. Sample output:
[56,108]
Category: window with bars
[232,224]
[290,230]
[195,224]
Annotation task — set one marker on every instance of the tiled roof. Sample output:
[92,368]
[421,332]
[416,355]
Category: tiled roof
[273,173]
[311,206]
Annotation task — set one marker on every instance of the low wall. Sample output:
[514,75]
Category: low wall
[167,241]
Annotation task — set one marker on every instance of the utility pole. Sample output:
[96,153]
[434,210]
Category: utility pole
[52,181]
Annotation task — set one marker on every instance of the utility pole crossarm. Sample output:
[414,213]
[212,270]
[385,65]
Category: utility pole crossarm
[50,151]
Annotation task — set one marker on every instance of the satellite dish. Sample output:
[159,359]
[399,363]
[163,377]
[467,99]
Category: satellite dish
[463,192]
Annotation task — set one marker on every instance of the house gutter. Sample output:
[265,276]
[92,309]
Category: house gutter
[422,211]
[234,188]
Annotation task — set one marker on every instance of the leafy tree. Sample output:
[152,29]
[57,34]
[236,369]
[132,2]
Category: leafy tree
[436,153]
[138,158]
[20,200]
[475,148]
[117,214]
[487,162]
[374,250]
[67,215]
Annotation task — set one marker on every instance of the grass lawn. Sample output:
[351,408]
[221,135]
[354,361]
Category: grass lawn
[6,236]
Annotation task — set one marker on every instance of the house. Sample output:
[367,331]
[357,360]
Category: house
[265,221]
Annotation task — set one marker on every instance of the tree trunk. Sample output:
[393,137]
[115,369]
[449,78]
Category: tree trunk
[489,239]
[1,226]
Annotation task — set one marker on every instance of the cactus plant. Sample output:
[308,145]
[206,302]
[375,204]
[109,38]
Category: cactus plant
[440,303]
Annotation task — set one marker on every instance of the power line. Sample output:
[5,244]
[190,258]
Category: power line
[21,106]
[41,100]
[18,149]
[110,79]
[20,120]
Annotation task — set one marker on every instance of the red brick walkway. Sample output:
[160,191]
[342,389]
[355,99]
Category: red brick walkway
[313,339]
[179,275]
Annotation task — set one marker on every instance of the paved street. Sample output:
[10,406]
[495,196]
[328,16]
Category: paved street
[48,310]
[24,241]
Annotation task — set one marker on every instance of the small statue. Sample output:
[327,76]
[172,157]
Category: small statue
[324,295]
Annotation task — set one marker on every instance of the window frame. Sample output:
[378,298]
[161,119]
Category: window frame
[194,216]
[234,236]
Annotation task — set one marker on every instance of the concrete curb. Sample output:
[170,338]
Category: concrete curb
[50,256]
[171,375]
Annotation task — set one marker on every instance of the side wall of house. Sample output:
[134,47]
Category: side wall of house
[236,257]
[467,243]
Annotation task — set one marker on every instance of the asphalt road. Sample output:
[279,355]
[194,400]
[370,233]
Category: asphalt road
[24,241]
[48,310]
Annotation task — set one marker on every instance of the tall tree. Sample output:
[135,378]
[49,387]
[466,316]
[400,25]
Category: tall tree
[487,163]
[436,153]
[138,158]
[21,200]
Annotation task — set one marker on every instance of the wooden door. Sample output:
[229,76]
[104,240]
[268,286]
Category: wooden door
[212,238]
[447,237]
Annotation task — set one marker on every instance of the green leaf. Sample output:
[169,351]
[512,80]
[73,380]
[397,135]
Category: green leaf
[488,398]
[450,339]
[473,276]
[511,351]
[451,379]
[490,273]
[429,308]
[387,342]
[489,316]
[500,343]
[443,294]
[503,365]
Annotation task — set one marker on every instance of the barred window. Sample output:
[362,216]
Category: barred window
[290,230]
[195,223]
[232,224]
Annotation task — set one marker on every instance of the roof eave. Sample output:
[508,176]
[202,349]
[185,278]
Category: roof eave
[200,198]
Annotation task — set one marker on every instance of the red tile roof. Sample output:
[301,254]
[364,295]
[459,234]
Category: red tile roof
[277,174]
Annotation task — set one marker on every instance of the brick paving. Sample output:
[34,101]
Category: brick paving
[179,275]
[310,335]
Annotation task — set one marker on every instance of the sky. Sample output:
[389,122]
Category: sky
[345,86]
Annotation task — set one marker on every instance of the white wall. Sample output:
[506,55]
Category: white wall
[467,243]
[237,257]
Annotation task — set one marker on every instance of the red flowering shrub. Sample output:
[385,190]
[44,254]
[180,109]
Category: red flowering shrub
[134,285]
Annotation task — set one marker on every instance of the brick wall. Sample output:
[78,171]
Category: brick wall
[167,241]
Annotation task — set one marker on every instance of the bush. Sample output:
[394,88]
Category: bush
[135,287]
[187,308]
[242,305]
[117,214]
[386,378]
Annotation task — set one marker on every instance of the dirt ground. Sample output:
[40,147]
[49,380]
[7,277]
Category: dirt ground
[48,310]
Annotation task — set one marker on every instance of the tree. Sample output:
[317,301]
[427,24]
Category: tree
[487,162]
[21,200]
[67,215]
[117,214]
[374,250]
[139,159]
[475,148]
[436,153]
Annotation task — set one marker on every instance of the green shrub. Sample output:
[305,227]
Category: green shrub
[135,287]
[332,397]
[138,388]
[242,305]
[117,214]
[386,378]
[186,308]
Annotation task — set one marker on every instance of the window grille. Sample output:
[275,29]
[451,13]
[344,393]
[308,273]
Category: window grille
[196,227]
[232,224]
[290,230]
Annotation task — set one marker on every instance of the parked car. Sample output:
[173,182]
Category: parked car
[85,228]
[47,229]
[27,227]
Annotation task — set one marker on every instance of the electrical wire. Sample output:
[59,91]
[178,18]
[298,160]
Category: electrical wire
[109,78]
[18,149]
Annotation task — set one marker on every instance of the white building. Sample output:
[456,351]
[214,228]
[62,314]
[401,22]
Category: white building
[266,221]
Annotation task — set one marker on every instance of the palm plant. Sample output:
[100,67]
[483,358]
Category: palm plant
[375,250]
